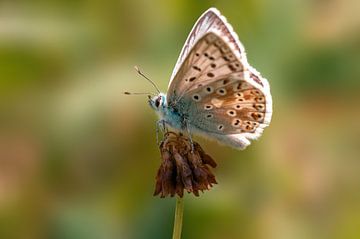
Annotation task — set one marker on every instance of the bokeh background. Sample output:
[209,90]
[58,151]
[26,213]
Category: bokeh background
[78,158]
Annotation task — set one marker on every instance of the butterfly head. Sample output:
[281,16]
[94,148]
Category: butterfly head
[157,102]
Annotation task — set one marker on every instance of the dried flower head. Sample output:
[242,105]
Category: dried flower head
[181,168]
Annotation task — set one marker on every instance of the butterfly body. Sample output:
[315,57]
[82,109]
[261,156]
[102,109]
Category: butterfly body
[169,115]
[213,91]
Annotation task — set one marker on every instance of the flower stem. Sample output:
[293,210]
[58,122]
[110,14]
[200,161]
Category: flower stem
[179,211]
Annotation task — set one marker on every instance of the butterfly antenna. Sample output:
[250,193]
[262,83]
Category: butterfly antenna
[153,83]
[139,93]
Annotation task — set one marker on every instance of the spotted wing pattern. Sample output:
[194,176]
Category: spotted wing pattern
[209,21]
[214,87]
[228,106]
[210,59]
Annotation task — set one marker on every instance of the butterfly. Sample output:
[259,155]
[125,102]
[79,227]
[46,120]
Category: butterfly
[213,91]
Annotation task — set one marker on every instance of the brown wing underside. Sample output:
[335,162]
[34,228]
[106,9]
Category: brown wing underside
[209,60]
[228,106]
[212,80]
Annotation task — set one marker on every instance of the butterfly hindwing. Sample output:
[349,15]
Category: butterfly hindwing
[226,106]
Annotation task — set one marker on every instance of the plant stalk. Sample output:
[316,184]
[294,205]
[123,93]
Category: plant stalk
[179,212]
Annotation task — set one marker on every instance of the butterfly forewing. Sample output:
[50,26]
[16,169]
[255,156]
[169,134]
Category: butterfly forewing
[210,21]
[211,59]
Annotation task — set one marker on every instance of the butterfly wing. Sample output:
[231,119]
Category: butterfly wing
[209,21]
[215,89]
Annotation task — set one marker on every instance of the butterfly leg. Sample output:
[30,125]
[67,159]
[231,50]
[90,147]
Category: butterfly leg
[189,133]
[160,125]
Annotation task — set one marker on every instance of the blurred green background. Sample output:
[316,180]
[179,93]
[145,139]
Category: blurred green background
[78,158]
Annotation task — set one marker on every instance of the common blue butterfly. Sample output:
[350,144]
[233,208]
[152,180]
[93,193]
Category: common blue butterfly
[213,90]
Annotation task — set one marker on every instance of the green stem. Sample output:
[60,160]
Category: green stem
[179,211]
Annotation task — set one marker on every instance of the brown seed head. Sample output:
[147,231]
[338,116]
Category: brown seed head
[181,168]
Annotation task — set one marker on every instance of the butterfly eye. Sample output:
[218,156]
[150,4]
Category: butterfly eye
[157,102]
